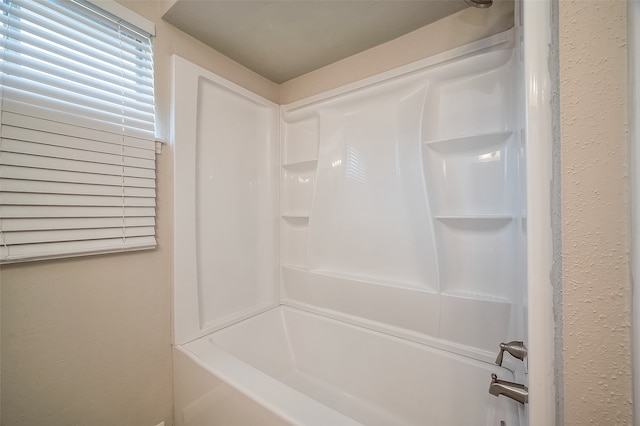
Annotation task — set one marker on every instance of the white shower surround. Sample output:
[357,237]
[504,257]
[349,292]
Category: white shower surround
[298,166]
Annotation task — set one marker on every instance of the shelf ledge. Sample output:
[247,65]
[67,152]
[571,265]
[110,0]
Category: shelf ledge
[297,220]
[301,166]
[475,223]
[479,141]
[497,217]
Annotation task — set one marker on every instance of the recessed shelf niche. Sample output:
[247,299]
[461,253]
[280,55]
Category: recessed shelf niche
[300,141]
[298,175]
[297,188]
[294,234]
[470,175]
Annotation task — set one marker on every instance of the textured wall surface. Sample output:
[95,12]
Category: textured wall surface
[596,295]
[87,341]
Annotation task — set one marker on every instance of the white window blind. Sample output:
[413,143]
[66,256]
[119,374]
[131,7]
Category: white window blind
[77,136]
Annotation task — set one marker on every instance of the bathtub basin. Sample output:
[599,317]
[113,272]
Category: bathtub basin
[290,366]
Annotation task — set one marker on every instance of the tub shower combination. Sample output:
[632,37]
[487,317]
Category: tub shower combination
[357,257]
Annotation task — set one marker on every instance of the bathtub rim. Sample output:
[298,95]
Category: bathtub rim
[271,394]
[263,389]
[395,332]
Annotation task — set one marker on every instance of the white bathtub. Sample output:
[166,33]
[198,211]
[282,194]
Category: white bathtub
[289,366]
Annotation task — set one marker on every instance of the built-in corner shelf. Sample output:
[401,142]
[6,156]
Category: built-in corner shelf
[297,184]
[296,220]
[479,222]
[474,142]
[295,268]
[301,166]
[477,296]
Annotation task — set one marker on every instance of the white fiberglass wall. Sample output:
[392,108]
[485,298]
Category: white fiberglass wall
[402,202]
[225,202]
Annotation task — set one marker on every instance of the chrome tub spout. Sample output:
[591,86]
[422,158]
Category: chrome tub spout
[515,391]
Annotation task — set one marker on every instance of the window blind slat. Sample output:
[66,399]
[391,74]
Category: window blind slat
[48,236]
[32,145]
[13,140]
[10,225]
[42,199]
[130,78]
[71,15]
[38,162]
[24,94]
[130,136]
[50,64]
[137,71]
[43,187]
[74,248]
[73,211]
[58,152]
[139,31]
[62,176]
[71,33]
[51,133]
[49,86]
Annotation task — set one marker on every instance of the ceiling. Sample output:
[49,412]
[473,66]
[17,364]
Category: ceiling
[283,39]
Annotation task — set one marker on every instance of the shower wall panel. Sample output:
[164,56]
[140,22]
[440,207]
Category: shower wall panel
[234,240]
[226,202]
[369,208]
[402,207]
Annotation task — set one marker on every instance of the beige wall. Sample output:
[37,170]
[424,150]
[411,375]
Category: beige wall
[595,222]
[86,341]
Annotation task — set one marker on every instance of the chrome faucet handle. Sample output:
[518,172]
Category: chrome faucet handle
[517,349]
